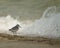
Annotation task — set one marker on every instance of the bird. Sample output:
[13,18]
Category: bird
[15,29]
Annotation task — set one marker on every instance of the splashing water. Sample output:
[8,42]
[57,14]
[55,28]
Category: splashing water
[6,23]
[48,25]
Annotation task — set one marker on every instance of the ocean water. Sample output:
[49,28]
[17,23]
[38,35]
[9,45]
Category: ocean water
[26,9]
[36,17]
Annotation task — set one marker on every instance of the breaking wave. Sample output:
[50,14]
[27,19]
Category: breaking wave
[48,25]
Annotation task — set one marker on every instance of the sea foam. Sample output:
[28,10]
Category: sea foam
[47,26]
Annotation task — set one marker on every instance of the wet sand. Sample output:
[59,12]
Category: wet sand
[22,44]
[26,42]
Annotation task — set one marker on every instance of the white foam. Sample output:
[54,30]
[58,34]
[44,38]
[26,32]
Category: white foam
[48,25]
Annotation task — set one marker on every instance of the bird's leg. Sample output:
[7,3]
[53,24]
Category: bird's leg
[14,33]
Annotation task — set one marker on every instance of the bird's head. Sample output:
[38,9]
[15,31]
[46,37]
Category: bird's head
[18,25]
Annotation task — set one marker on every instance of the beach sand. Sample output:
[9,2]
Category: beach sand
[9,41]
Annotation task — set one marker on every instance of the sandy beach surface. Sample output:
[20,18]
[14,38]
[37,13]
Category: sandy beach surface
[8,41]
[22,44]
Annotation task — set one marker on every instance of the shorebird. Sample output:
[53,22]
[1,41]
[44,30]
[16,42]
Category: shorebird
[15,29]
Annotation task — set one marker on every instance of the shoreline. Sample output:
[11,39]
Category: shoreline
[7,37]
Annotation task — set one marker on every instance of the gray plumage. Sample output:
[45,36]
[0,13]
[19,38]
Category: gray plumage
[15,29]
